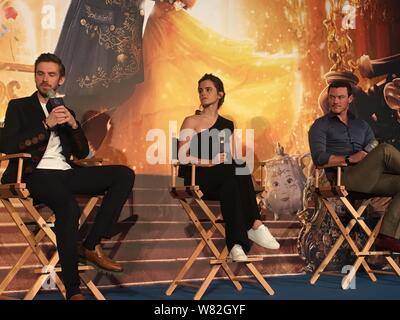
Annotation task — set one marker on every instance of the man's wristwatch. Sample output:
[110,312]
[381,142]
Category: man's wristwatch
[347,159]
[371,146]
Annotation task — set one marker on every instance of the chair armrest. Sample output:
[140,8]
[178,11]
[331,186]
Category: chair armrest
[174,172]
[332,166]
[15,156]
[91,162]
[175,163]
[338,172]
[20,157]
[263,177]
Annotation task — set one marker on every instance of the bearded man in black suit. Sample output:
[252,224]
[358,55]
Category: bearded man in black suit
[52,136]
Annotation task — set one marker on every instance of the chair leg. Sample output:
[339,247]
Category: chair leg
[87,210]
[39,283]
[13,272]
[317,273]
[21,261]
[228,270]
[39,220]
[192,259]
[211,216]
[356,265]
[337,244]
[33,242]
[92,288]
[207,281]
[260,278]
[43,278]
[394,265]
[345,235]
[27,233]
[360,260]
[207,239]
[185,268]
[372,236]
[221,257]
[221,230]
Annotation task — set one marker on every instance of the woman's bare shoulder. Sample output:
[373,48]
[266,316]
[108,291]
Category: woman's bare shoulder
[191,121]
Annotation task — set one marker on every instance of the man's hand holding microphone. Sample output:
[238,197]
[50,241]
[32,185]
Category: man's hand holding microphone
[58,113]
[61,115]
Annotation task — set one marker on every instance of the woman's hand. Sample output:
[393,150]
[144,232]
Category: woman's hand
[218,159]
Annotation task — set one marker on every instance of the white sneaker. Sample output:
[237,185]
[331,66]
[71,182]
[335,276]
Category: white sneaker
[263,237]
[237,253]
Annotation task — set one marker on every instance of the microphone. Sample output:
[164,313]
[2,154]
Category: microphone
[53,100]
[221,141]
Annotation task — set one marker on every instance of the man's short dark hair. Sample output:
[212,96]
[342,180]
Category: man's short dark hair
[50,57]
[341,84]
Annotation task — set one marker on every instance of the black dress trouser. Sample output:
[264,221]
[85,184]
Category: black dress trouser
[56,189]
[237,198]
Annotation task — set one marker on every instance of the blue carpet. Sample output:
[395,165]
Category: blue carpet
[286,288]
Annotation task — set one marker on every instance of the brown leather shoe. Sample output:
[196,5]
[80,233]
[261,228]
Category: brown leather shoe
[387,243]
[78,296]
[99,258]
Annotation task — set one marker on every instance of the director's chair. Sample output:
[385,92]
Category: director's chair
[188,196]
[339,192]
[12,196]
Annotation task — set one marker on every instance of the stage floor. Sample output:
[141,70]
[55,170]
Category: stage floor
[286,288]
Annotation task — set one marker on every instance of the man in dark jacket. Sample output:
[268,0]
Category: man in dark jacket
[51,134]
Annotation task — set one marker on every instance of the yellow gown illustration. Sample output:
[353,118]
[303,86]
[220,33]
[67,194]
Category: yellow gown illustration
[261,89]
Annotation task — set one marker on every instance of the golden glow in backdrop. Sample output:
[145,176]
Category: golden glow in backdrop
[263,89]
[27,28]
[133,65]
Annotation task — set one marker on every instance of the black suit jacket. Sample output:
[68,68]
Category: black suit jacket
[24,132]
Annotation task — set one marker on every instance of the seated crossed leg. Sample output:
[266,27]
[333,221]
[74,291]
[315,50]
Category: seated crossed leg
[115,182]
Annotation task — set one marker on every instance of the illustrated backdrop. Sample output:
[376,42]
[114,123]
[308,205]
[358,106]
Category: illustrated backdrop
[133,67]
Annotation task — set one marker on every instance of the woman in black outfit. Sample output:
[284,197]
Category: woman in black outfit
[218,176]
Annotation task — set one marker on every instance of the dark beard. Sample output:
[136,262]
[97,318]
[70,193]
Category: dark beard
[42,94]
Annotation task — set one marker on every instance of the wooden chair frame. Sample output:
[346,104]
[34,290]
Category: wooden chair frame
[339,191]
[185,195]
[17,193]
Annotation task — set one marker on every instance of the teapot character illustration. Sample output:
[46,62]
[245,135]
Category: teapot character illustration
[285,183]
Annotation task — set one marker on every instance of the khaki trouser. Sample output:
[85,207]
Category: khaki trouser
[379,174]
